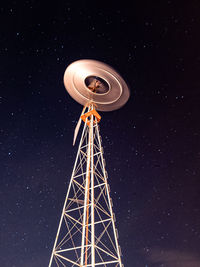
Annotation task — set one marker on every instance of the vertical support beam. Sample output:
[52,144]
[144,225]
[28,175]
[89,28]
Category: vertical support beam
[83,248]
[92,124]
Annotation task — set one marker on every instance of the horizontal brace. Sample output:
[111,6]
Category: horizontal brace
[77,208]
[99,185]
[97,153]
[100,221]
[69,249]
[101,263]
[79,175]
[84,146]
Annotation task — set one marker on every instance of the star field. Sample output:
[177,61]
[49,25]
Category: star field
[151,145]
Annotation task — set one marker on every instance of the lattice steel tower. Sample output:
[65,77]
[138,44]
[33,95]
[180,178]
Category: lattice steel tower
[86,233]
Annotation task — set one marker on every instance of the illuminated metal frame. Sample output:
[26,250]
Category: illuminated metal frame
[87,207]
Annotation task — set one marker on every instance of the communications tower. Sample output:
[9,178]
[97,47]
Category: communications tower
[86,234]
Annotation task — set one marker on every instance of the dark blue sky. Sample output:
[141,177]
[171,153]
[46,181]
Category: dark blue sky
[151,145]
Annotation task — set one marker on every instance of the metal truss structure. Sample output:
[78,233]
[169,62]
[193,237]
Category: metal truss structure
[86,233]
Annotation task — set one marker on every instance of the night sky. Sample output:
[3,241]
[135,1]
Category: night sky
[151,145]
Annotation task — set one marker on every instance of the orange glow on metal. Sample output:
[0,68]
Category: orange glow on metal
[88,114]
